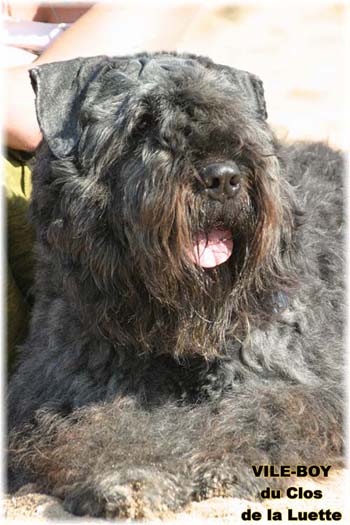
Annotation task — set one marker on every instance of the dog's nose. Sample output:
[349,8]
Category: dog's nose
[222,180]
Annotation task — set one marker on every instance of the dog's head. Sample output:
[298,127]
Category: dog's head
[164,187]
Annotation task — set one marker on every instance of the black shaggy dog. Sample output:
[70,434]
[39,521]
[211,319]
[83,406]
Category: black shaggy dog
[189,300]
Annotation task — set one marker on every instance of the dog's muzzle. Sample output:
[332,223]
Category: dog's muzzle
[222,180]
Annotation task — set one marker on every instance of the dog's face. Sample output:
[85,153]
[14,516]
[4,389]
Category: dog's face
[167,183]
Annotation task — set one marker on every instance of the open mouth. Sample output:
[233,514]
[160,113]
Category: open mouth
[211,249]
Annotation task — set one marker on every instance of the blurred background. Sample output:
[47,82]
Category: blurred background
[299,51]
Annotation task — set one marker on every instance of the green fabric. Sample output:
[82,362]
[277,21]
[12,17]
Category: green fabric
[20,238]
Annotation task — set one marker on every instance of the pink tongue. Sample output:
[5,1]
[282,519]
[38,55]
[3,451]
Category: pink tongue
[212,249]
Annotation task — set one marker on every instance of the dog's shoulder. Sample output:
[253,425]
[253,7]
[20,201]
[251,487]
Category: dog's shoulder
[314,163]
[316,172]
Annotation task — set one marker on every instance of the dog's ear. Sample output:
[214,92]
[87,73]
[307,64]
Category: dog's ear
[251,88]
[58,87]
[254,88]
[61,88]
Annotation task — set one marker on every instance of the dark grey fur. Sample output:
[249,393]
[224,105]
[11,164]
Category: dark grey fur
[146,381]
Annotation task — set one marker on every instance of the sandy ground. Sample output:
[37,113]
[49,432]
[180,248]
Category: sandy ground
[299,52]
[29,506]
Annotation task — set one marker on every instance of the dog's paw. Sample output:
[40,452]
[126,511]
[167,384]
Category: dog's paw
[225,481]
[132,493]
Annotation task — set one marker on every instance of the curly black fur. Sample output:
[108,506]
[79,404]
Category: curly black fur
[148,381]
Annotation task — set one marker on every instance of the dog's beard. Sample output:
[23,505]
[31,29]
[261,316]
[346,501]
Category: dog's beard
[146,285]
[182,317]
[181,280]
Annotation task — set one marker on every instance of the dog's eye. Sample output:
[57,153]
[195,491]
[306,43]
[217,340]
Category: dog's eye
[144,123]
[189,110]
[187,131]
